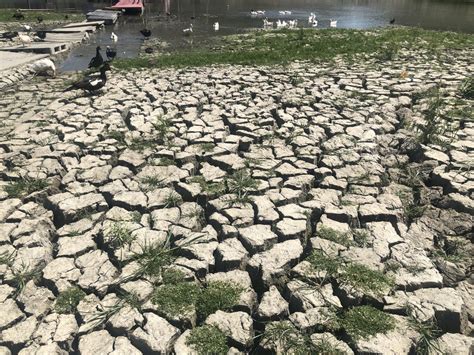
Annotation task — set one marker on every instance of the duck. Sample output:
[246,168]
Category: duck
[332,23]
[216,26]
[66,17]
[86,36]
[96,61]
[27,28]
[314,23]
[253,13]
[292,23]
[392,21]
[145,32]
[148,50]
[114,37]
[260,12]
[39,19]
[92,83]
[10,35]
[110,53]
[24,39]
[44,66]
[41,34]
[311,18]
[189,30]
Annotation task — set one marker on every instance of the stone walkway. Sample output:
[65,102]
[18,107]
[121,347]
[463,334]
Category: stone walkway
[249,173]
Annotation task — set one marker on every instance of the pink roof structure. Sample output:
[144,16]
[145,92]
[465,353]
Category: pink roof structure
[128,5]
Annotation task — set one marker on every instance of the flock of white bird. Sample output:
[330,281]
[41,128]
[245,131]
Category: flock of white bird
[312,20]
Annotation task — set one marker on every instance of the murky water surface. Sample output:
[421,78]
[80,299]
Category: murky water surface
[234,16]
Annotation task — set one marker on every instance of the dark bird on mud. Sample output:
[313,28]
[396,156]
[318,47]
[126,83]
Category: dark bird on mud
[145,32]
[110,53]
[10,35]
[18,15]
[92,83]
[148,50]
[41,34]
[392,21]
[98,60]
[39,19]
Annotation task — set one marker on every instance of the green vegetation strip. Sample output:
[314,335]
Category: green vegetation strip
[6,15]
[284,46]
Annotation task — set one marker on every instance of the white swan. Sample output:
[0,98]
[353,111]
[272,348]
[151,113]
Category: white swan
[311,18]
[114,37]
[267,24]
[216,26]
[293,23]
[333,23]
[43,66]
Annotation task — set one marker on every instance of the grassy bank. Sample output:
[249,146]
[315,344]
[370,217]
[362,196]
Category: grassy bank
[6,15]
[283,46]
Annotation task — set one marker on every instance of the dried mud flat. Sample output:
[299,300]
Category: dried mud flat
[275,208]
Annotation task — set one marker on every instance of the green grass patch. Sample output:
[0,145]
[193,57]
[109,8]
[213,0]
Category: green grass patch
[6,15]
[207,339]
[365,280]
[68,300]
[217,295]
[176,299]
[24,187]
[365,321]
[284,46]
[353,275]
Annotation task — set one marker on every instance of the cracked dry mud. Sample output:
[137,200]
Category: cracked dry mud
[250,175]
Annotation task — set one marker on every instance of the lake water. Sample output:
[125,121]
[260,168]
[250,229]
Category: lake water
[234,17]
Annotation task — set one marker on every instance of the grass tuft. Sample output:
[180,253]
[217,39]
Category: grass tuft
[466,89]
[68,300]
[365,321]
[207,339]
[24,187]
[217,295]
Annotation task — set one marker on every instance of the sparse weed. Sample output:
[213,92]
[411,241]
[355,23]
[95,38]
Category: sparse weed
[466,89]
[25,186]
[118,136]
[240,183]
[173,199]
[334,236]
[207,147]
[67,301]
[162,128]
[119,235]
[428,334]
[152,182]
[22,275]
